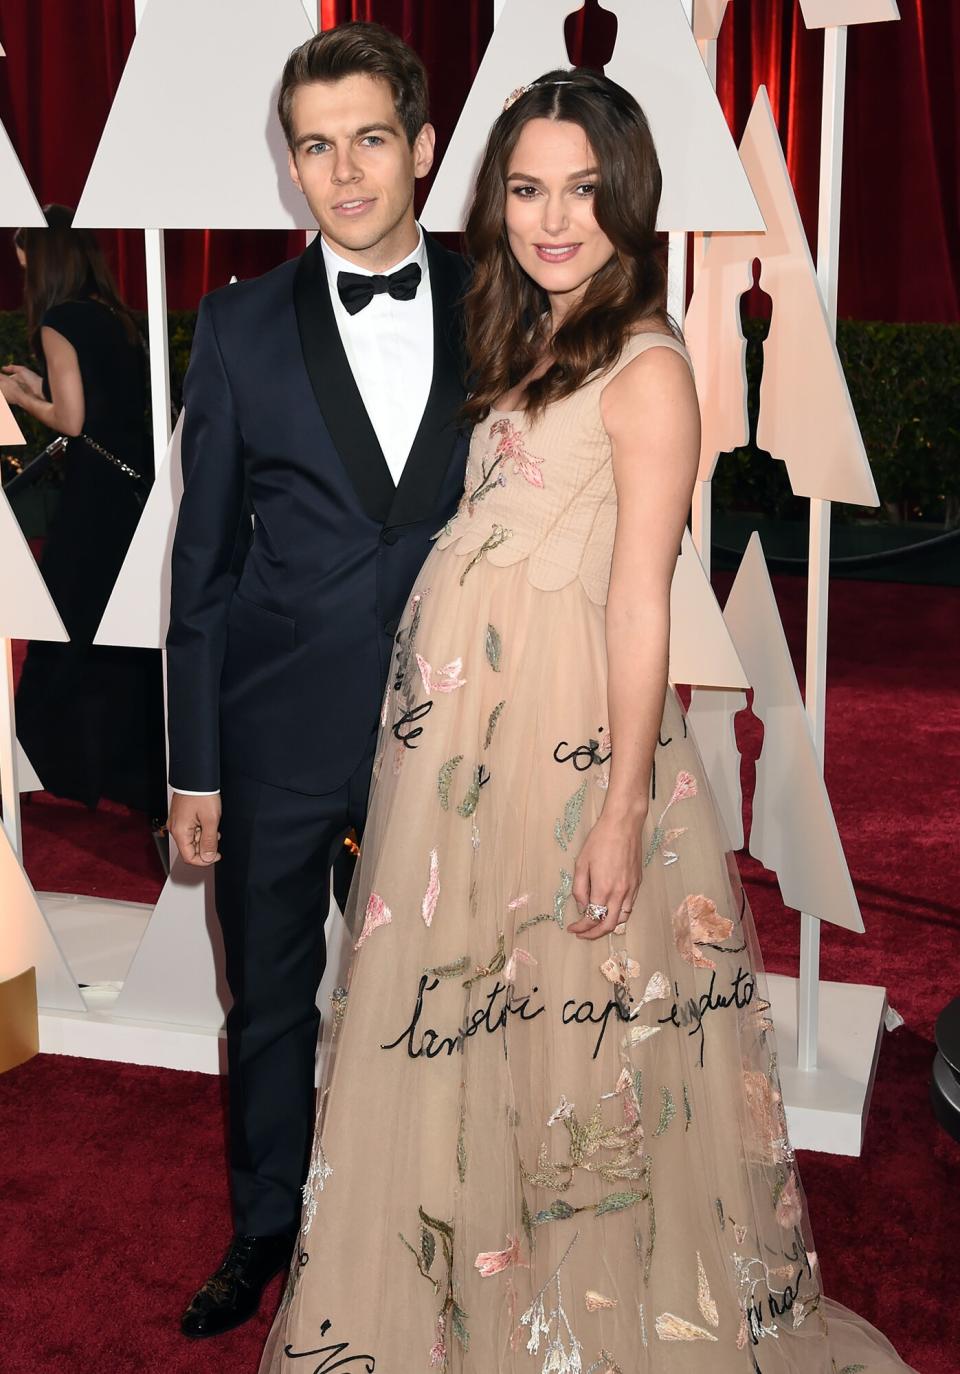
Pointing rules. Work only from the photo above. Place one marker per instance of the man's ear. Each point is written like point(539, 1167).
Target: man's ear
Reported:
point(423, 146)
point(292, 165)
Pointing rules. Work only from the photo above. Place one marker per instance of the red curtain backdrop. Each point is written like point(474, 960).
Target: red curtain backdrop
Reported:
point(900, 235)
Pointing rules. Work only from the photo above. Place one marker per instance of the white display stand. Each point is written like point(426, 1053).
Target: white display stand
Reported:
point(793, 833)
point(827, 1109)
point(819, 1043)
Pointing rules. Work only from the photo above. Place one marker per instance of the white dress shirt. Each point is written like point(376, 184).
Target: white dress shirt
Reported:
point(389, 346)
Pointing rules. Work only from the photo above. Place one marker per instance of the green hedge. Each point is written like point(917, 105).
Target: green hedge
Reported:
point(904, 382)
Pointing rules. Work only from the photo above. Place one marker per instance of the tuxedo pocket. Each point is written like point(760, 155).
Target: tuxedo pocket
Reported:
point(269, 628)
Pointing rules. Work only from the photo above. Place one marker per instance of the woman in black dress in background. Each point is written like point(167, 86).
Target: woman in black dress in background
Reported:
point(90, 718)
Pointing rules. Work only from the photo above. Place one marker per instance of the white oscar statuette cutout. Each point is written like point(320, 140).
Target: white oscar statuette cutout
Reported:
point(199, 91)
point(806, 416)
point(656, 57)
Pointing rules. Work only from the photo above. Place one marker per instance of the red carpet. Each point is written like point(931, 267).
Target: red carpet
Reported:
point(116, 1204)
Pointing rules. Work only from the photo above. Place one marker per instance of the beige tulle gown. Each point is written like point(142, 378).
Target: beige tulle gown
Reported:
point(537, 1154)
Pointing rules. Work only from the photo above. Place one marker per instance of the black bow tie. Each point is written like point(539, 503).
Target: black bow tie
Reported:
point(357, 289)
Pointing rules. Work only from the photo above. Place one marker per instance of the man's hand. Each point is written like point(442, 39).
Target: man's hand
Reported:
point(194, 824)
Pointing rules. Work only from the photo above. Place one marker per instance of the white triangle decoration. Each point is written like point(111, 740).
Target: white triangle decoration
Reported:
point(806, 416)
point(26, 938)
point(177, 972)
point(830, 14)
point(26, 607)
point(192, 140)
point(138, 612)
point(701, 649)
point(656, 57)
point(27, 779)
point(793, 829)
point(20, 207)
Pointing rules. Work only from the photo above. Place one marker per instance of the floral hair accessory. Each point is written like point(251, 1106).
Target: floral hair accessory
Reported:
point(515, 94)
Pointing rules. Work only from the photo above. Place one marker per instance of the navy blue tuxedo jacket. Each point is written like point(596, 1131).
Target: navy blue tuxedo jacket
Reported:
point(282, 625)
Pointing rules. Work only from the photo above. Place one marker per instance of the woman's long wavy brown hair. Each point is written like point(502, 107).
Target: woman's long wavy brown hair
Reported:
point(505, 308)
point(65, 264)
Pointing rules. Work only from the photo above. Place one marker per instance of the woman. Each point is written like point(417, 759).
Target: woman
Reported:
point(90, 719)
point(553, 1139)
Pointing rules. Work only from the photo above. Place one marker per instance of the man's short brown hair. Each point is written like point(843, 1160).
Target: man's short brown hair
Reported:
point(358, 48)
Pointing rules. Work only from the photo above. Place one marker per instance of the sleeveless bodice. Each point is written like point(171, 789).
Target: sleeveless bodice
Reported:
point(542, 489)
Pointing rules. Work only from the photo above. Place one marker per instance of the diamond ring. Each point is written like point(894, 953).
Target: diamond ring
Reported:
point(595, 912)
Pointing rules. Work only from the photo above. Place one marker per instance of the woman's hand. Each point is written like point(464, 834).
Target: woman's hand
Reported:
point(608, 873)
point(19, 382)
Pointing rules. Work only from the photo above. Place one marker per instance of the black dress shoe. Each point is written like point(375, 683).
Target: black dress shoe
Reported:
point(232, 1295)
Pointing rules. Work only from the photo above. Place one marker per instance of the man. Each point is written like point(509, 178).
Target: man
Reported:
point(320, 452)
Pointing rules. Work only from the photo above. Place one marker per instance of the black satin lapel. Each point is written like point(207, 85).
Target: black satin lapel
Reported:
point(418, 491)
point(335, 388)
